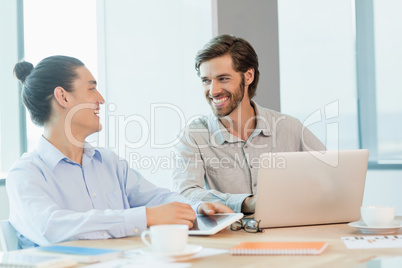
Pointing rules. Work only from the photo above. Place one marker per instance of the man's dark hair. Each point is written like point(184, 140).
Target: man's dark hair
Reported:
point(242, 53)
point(39, 83)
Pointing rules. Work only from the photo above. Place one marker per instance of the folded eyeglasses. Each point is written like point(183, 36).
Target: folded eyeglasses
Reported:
point(250, 226)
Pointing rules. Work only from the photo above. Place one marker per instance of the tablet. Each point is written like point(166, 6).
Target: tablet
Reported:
point(211, 224)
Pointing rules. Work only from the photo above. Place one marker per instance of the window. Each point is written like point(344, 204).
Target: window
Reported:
point(388, 70)
point(64, 27)
point(318, 69)
point(12, 136)
point(340, 73)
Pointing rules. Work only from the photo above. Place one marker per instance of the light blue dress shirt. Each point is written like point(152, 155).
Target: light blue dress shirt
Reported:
point(53, 199)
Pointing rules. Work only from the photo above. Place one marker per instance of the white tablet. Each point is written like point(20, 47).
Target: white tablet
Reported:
point(211, 224)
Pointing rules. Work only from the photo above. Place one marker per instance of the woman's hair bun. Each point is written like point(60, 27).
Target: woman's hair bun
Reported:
point(22, 70)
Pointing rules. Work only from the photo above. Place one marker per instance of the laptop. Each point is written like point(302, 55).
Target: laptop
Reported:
point(307, 188)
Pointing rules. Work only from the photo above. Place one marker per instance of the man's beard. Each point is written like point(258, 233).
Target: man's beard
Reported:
point(234, 100)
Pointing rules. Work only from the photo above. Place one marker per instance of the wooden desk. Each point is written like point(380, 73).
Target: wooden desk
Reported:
point(336, 255)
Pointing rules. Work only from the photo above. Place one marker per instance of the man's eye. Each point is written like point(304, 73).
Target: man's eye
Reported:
point(205, 81)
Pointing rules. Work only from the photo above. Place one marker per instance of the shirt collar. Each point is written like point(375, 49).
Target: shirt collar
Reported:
point(219, 133)
point(51, 156)
point(263, 124)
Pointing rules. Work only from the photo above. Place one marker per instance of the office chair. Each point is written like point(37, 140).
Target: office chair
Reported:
point(8, 236)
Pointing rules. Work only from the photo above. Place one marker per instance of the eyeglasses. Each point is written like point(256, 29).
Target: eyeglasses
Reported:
point(251, 226)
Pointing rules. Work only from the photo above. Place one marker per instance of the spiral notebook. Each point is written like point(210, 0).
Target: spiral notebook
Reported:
point(279, 248)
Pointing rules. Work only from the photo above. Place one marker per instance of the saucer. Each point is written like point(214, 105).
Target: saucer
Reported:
point(189, 251)
point(395, 226)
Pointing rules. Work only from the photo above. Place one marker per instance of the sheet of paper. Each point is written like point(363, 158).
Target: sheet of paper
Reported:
point(362, 242)
point(133, 258)
point(140, 262)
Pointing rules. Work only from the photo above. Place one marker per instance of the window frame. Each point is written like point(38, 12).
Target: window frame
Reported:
point(366, 83)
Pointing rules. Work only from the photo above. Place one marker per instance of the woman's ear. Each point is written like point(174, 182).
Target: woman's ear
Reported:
point(249, 77)
point(60, 95)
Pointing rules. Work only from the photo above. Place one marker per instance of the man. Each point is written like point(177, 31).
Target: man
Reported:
point(67, 190)
point(219, 154)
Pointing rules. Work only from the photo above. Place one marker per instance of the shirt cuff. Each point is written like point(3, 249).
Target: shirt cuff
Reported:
point(195, 206)
point(235, 201)
point(135, 220)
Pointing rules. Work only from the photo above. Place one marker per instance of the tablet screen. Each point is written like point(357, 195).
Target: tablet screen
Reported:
point(207, 222)
point(210, 224)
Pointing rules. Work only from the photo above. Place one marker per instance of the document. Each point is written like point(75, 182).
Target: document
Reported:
point(30, 260)
point(362, 242)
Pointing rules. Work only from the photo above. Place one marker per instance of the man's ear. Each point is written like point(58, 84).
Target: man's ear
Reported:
point(60, 95)
point(249, 77)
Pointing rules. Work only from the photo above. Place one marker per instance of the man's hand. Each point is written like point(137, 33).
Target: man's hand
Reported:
point(248, 205)
point(171, 213)
point(212, 208)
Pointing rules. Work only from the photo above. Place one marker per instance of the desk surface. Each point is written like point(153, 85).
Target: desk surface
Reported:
point(336, 255)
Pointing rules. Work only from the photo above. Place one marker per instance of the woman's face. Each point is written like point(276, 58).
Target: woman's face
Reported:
point(85, 100)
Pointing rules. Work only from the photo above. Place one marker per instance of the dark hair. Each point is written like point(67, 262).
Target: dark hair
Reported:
point(243, 56)
point(39, 83)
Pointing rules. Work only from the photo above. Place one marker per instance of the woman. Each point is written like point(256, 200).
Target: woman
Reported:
point(67, 190)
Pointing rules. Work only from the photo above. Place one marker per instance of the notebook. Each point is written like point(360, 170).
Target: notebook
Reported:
point(279, 248)
point(307, 188)
point(83, 254)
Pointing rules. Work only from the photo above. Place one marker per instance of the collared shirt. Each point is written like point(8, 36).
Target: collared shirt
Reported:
point(54, 199)
point(216, 166)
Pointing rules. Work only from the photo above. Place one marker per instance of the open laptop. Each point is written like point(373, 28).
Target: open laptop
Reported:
point(307, 188)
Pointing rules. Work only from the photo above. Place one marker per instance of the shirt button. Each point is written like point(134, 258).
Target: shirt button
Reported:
point(136, 230)
point(255, 184)
point(246, 146)
point(251, 166)
point(94, 194)
point(104, 234)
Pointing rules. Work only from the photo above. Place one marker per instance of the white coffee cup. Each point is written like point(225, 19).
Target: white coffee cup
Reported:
point(171, 238)
point(377, 216)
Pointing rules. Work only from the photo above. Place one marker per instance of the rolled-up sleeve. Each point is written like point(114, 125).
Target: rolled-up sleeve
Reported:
point(189, 177)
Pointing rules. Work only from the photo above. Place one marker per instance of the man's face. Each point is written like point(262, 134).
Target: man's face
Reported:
point(85, 103)
point(223, 86)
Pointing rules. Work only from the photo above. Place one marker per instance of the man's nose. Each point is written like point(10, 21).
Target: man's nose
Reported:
point(101, 100)
point(214, 89)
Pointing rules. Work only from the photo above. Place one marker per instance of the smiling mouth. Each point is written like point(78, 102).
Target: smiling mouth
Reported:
point(219, 101)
